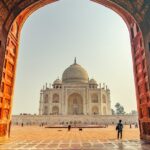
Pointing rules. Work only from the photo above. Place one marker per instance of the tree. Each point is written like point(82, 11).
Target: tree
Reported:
point(134, 112)
point(119, 109)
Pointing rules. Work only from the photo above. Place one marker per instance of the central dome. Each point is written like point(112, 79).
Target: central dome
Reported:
point(75, 73)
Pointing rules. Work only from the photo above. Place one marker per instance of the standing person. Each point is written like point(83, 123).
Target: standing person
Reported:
point(69, 127)
point(119, 127)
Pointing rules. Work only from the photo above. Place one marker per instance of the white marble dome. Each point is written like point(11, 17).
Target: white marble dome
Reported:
point(75, 73)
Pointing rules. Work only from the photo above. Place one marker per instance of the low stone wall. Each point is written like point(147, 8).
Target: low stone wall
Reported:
point(72, 119)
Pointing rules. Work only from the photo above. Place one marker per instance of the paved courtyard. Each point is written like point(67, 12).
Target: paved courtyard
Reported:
point(40, 138)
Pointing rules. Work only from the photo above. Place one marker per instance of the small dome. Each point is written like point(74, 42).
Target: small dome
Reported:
point(92, 81)
point(57, 81)
point(75, 73)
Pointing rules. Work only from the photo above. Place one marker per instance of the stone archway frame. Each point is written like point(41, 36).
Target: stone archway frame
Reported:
point(55, 98)
point(55, 110)
point(95, 110)
point(79, 103)
point(136, 15)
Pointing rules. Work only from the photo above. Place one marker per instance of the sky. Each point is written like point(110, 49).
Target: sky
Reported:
point(57, 33)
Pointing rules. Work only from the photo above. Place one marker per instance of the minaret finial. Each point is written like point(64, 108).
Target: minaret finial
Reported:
point(75, 60)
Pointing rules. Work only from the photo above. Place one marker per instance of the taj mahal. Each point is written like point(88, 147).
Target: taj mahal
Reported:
point(75, 94)
point(75, 99)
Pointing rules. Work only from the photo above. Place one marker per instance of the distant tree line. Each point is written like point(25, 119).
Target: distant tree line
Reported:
point(119, 110)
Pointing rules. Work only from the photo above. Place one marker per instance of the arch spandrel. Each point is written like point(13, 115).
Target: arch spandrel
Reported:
point(9, 10)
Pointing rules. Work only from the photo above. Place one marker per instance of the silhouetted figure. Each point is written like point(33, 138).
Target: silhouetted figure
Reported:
point(130, 126)
point(69, 127)
point(80, 129)
point(119, 128)
point(22, 124)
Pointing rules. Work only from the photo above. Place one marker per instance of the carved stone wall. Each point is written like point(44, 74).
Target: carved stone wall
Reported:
point(83, 119)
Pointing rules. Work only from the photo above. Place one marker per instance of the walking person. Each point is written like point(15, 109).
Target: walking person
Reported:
point(119, 128)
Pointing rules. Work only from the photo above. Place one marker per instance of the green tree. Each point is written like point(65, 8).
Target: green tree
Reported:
point(119, 109)
point(134, 112)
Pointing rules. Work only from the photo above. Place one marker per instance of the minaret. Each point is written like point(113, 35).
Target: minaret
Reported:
point(109, 101)
point(41, 102)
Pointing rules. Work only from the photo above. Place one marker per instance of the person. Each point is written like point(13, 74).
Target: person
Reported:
point(80, 129)
point(119, 128)
point(69, 127)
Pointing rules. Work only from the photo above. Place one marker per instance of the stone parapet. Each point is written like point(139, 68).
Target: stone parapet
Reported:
point(73, 119)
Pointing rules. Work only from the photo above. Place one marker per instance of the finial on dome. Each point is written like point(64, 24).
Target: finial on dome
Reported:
point(75, 60)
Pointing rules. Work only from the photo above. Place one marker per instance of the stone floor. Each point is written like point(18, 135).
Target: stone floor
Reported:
point(39, 138)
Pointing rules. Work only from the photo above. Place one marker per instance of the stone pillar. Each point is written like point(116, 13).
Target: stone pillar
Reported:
point(88, 101)
point(8, 63)
point(50, 102)
point(99, 101)
point(84, 104)
point(65, 102)
point(3, 122)
point(41, 103)
point(109, 102)
point(140, 65)
point(84, 97)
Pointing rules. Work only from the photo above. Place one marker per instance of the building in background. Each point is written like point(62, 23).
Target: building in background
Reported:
point(75, 94)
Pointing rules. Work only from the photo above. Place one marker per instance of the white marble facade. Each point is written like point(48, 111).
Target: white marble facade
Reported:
point(75, 94)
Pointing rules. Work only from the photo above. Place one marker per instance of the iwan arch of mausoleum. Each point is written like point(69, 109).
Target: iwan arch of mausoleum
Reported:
point(136, 14)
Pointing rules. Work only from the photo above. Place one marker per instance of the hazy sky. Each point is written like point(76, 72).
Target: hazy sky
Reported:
point(55, 34)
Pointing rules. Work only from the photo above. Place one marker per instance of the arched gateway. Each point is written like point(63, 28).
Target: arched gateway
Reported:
point(136, 14)
point(75, 104)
